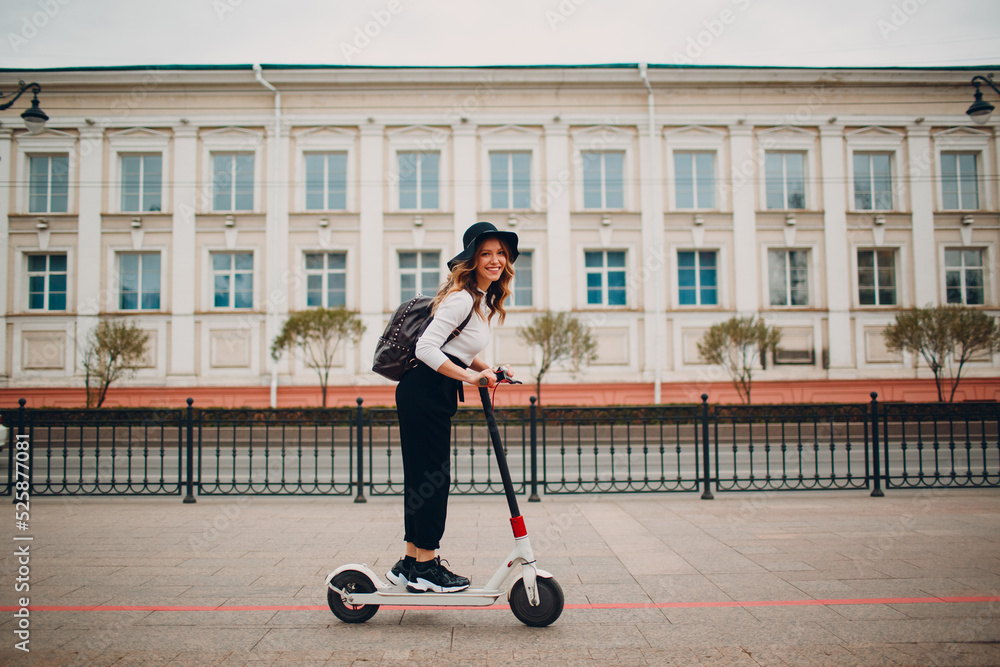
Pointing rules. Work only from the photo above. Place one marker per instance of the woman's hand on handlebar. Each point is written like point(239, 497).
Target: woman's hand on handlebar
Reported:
point(505, 375)
point(484, 378)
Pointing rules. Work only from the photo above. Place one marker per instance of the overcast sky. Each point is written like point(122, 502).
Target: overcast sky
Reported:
point(874, 33)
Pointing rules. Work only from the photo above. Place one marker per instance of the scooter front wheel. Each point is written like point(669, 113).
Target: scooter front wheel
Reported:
point(550, 602)
point(351, 581)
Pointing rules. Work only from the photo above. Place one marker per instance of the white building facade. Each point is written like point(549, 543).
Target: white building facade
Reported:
point(206, 203)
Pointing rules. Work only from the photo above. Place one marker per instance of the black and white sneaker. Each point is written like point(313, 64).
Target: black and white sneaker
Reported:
point(399, 574)
point(433, 576)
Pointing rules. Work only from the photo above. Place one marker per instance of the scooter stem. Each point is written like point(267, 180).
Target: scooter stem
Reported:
point(508, 486)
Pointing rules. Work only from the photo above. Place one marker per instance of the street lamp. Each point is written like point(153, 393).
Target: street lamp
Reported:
point(34, 118)
point(980, 110)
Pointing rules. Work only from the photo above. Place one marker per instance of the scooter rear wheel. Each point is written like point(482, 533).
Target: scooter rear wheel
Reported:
point(351, 581)
point(550, 602)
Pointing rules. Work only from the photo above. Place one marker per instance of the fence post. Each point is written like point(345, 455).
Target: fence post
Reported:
point(876, 464)
point(361, 453)
point(534, 451)
point(189, 498)
point(706, 493)
point(22, 419)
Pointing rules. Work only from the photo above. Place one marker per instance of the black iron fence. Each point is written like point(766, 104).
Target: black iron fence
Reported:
point(791, 447)
point(355, 451)
point(95, 452)
point(274, 452)
point(937, 445)
point(620, 449)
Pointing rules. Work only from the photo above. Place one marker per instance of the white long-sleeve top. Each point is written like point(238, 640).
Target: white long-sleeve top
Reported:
point(431, 347)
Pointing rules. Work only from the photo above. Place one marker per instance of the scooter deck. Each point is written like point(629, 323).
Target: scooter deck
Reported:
point(398, 595)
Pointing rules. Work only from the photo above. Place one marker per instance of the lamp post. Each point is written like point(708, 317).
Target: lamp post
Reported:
point(34, 118)
point(980, 109)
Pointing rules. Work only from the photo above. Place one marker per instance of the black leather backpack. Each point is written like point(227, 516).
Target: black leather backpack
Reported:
point(394, 353)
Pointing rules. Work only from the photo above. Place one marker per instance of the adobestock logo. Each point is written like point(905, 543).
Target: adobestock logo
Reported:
point(223, 7)
point(899, 16)
point(562, 13)
point(363, 36)
point(48, 9)
point(713, 29)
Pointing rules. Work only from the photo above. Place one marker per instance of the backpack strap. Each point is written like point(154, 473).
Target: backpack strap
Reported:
point(459, 328)
point(451, 336)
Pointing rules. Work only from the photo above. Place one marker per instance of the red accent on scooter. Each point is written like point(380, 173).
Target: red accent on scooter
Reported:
point(517, 523)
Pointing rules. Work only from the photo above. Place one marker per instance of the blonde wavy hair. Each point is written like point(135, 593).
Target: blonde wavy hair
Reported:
point(463, 277)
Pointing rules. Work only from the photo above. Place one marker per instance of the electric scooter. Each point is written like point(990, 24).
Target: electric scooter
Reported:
point(354, 592)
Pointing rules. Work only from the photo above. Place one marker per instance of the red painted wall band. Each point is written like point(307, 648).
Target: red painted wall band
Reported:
point(592, 393)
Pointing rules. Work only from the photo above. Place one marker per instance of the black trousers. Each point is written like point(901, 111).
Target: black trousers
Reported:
point(425, 403)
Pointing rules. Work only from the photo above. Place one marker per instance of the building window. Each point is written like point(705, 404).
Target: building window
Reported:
point(877, 277)
point(139, 281)
point(785, 176)
point(48, 183)
point(605, 277)
point(603, 179)
point(419, 273)
point(872, 182)
point(698, 278)
point(959, 182)
point(788, 277)
point(521, 295)
point(963, 275)
point(232, 179)
point(694, 180)
point(232, 279)
point(418, 180)
point(510, 180)
point(326, 279)
point(142, 183)
point(47, 282)
point(326, 181)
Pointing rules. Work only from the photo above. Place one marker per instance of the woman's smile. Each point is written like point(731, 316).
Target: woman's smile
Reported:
point(490, 262)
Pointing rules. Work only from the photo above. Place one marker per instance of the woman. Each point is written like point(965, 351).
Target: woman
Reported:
point(427, 398)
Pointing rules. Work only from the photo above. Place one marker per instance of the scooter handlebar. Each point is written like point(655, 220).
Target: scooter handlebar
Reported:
point(502, 376)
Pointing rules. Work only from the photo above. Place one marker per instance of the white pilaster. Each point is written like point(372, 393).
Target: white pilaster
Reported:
point(464, 188)
point(182, 255)
point(276, 297)
point(88, 280)
point(559, 193)
point(6, 161)
point(653, 265)
point(372, 255)
point(921, 158)
point(838, 290)
point(745, 170)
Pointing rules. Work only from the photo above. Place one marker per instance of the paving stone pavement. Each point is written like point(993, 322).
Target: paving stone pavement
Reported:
point(824, 578)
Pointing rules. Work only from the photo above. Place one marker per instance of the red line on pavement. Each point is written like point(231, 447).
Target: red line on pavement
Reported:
point(784, 603)
point(611, 605)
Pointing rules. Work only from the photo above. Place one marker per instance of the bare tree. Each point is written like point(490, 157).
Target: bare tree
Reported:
point(114, 352)
point(947, 337)
point(560, 337)
point(738, 345)
point(317, 333)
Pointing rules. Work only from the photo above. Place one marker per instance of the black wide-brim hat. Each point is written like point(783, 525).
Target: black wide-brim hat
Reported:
point(477, 233)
